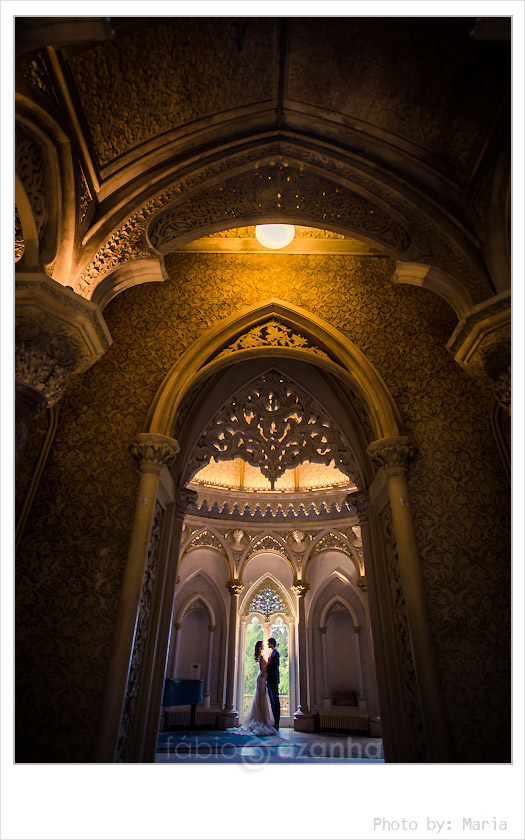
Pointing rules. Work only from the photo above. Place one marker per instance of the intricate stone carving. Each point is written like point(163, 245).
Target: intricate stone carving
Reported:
point(126, 727)
point(235, 587)
point(280, 189)
point(271, 334)
point(36, 73)
point(154, 451)
point(29, 166)
point(206, 540)
point(331, 542)
point(502, 388)
point(392, 453)
point(267, 543)
point(85, 196)
point(125, 104)
point(19, 238)
point(274, 425)
point(300, 588)
point(44, 361)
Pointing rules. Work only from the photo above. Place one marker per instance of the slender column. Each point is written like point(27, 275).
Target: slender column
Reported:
point(361, 699)
point(393, 454)
point(157, 645)
point(211, 628)
point(153, 452)
point(327, 700)
point(229, 715)
point(303, 718)
point(172, 665)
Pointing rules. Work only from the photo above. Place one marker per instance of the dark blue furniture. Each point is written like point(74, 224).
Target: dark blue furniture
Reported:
point(184, 693)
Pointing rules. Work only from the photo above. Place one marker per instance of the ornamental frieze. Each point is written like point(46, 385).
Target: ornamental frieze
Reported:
point(272, 334)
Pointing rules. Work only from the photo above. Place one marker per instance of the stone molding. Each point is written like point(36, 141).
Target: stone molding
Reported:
point(483, 328)
point(392, 453)
point(154, 451)
point(44, 307)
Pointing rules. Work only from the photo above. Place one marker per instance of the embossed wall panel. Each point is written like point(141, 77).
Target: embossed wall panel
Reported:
point(72, 557)
point(361, 68)
point(169, 74)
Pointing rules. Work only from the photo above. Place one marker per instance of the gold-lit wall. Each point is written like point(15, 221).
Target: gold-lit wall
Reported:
point(77, 534)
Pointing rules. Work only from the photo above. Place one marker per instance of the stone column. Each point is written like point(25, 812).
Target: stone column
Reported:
point(229, 715)
point(157, 645)
point(327, 698)
point(393, 455)
point(57, 334)
point(172, 664)
point(303, 718)
point(361, 700)
point(153, 453)
point(211, 628)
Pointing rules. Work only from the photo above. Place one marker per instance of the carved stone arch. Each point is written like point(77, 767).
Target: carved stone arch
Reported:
point(180, 601)
point(197, 603)
point(339, 575)
point(345, 361)
point(327, 540)
point(266, 544)
point(209, 538)
point(270, 580)
point(339, 604)
point(62, 186)
point(453, 291)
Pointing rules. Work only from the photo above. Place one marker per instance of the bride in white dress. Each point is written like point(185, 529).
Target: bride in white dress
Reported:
point(259, 720)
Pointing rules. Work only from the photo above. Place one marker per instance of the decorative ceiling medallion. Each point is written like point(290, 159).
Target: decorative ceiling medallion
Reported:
point(272, 334)
point(273, 425)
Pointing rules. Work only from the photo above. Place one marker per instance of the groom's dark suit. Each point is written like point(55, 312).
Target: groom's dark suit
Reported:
point(272, 683)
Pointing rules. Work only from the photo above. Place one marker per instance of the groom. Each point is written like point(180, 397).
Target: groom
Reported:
point(272, 681)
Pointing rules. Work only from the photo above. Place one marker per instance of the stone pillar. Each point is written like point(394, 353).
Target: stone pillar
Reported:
point(229, 715)
point(361, 701)
point(327, 698)
point(57, 334)
point(393, 455)
point(153, 453)
point(211, 628)
point(172, 664)
point(157, 645)
point(303, 718)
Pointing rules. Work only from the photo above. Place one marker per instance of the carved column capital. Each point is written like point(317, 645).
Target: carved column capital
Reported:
point(57, 333)
point(211, 627)
point(392, 453)
point(300, 588)
point(235, 587)
point(322, 630)
point(154, 451)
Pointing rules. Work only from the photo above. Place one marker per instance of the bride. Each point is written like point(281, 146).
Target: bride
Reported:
point(259, 720)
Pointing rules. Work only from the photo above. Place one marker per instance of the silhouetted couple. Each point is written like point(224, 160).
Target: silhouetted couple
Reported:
point(266, 697)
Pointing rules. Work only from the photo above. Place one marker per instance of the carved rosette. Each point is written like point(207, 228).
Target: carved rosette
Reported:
point(154, 451)
point(235, 587)
point(393, 454)
point(300, 588)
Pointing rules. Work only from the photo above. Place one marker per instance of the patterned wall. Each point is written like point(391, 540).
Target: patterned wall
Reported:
point(71, 560)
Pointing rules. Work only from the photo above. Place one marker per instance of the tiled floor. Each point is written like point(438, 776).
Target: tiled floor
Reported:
point(302, 748)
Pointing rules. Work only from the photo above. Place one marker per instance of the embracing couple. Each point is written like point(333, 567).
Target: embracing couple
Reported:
point(266, 698)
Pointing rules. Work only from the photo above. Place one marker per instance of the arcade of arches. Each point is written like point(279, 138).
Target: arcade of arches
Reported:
point(217, 442)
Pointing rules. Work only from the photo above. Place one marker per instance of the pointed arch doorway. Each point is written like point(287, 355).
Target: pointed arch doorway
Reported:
point(309, 349)
point(265, 613)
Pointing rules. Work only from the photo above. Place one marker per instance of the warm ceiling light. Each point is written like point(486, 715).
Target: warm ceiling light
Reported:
point(274, 236)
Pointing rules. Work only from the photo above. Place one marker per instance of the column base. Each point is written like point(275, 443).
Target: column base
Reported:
point(303, 721)
point(227, 719)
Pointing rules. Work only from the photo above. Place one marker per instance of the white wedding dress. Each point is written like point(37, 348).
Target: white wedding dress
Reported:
point(259, 720)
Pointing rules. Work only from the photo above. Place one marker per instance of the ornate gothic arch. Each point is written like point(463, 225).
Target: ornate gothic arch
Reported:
point(343, 360)
point(266, 544)
point(328, 540)
point(267, 579)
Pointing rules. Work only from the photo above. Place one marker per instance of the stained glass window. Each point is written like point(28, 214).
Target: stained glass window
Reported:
point(267, 602)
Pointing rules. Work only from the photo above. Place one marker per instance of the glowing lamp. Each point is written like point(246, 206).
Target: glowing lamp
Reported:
point(274, 236)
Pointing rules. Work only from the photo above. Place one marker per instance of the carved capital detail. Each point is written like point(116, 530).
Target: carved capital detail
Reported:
point(361, 505)
point(183, 497)
point(300, 588)
point(235, 587)
point(44, 361)
point(154, 451)
point(392, 453)
point(481, 341)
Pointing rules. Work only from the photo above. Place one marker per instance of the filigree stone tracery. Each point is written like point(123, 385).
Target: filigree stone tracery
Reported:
point(274, 425)
point(272, 334)
point(267, 601)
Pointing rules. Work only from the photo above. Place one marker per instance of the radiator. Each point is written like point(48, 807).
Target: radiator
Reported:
point(181, 717)
point(343, 720)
